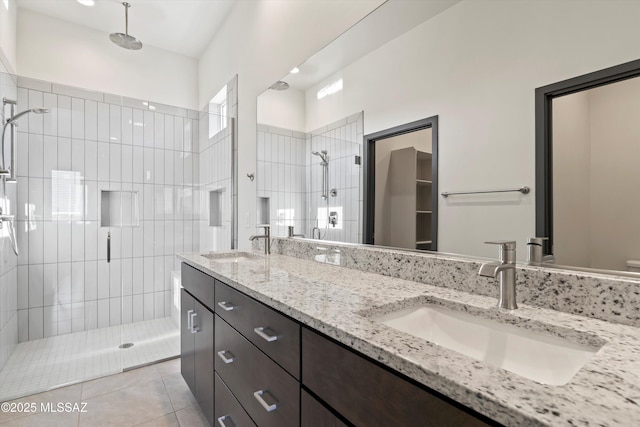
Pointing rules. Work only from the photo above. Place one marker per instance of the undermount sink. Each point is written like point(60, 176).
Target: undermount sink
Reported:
point(231, 257)
point(539, 357)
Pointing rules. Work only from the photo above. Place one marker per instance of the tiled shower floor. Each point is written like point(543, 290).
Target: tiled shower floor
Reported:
point(40, 365)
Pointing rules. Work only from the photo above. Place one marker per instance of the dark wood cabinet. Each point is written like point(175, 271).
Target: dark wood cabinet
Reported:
point(196, 338)
point(314, 414)
point(265, 390)
point(270, 371)
point(274, 334)
point(228, 411)
point(367, 394)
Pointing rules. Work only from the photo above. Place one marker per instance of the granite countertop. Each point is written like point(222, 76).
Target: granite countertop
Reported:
point(340, 302)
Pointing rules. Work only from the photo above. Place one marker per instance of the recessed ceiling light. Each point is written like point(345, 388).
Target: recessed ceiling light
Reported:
point(296, 70)
point(86, 2)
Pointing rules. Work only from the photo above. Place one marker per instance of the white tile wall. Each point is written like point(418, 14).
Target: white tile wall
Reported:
point(66, 283)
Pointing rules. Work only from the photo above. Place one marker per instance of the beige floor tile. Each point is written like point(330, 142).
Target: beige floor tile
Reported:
point(70, 394)
point(128, 406)
point(192, 417)
point(179, 393)
point(167, 421)
point(60, 419)
point(168, 368)
point(112, 383)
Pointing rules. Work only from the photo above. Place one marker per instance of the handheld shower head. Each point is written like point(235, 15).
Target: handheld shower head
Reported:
point(17, 116)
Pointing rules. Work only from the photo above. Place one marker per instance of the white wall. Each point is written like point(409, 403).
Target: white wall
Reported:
point(261, 42)
point(283, 109)
point(58, 51)
point(476, 66)
point(572, 180)
point(8, 19)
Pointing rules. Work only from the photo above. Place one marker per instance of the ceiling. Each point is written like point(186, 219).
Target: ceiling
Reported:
point(181, 26)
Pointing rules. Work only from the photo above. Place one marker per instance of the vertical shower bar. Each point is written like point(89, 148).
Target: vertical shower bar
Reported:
point(12, 175)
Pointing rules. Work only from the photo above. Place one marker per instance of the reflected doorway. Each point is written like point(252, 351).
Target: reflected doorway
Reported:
point(401, 186)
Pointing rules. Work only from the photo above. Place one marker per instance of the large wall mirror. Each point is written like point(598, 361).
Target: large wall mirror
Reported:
point(474, 64)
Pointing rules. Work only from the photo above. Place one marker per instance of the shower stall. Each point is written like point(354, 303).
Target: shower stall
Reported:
point(107, 191)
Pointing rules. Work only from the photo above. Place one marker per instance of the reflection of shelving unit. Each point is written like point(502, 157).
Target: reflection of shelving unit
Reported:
point(410, 177)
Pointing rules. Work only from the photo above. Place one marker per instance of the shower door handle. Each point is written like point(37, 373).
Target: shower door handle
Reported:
point(109, 247)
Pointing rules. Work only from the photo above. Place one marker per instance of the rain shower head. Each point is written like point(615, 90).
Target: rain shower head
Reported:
point(279, 85)
point(125, 40)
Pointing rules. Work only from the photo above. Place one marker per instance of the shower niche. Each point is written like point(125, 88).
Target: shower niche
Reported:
point(119, 209)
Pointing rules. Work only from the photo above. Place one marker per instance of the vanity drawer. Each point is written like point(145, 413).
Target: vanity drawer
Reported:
point(228, 410)
point(273, 333)
point(198, 284)
point(266, 391)
point(314, 414)
point(367, 394)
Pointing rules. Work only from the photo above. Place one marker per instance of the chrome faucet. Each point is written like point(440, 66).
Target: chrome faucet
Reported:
point(505, 271)
point(291, 232)
point(534, 255)
point(266, 236)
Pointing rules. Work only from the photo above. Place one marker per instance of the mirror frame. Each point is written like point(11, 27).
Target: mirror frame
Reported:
point(544, 137)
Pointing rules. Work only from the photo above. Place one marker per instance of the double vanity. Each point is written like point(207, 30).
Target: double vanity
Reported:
point(295, 338)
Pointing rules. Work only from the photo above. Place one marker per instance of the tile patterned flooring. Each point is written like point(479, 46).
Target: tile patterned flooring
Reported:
point(154, 395)
point(42, 364)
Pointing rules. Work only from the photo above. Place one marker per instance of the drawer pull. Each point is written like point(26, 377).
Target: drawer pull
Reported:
point(261, 330)
point(194, 328)
point(226, 306)
point(189, 320)
point(225, 359)
point(258, 395)
point(226, 421)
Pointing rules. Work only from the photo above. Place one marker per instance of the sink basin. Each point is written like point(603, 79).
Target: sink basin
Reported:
point(231, 257)
point(539, 357)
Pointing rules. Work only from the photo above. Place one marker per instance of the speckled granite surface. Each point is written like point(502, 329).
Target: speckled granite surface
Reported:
point(339, 302)
point(605, 297)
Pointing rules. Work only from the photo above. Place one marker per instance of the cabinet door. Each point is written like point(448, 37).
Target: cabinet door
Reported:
point(187, 356)
point(203, 359)
point(367, 394)
point(267, 392)
point(229, 412)
point(313, 414)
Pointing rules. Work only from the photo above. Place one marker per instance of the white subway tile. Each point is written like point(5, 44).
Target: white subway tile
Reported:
point(50, 254)
point(64, 318)
point(138, 308)
point(91, 314)
point(23, 286)
point(149, 164)
point(36, 122)
point(138, 164)
point(77, 241)
point(138, 276)
point(77, 156)
point(90, 280)
point(103, 122)
point(22, 146)
point(127, 276)
point(178, 139)
point(138, 241)
point(148, 275)
point(36, 199)
point(159, 304)
point(64, 154)
point(64, 116)
point(179, 168)
point(77, 317)
point(103, 313)
point(102, 242)
point(115, 123)
point(50, 119)
point(77, 282)
point(127, 309)
point(64, 282)
point(126, 250)
point(103, 279)
point(50, 154)
point(138, 127)
point(115, 284)
point(64, 241)
point(148, 129)
point(149, 304)
point(127, 163)
point(77, 118)
point(91, 120)
point(36, 324)
point(36, 155)
point(36, 242)
point(169, 136)
point(159, 176)
point(23, 325)
point(127, 125)
point(103, 161)
point(159, 274)
point(36, 285)
point(158, 134)
point(115, 174)
point(50, 321)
